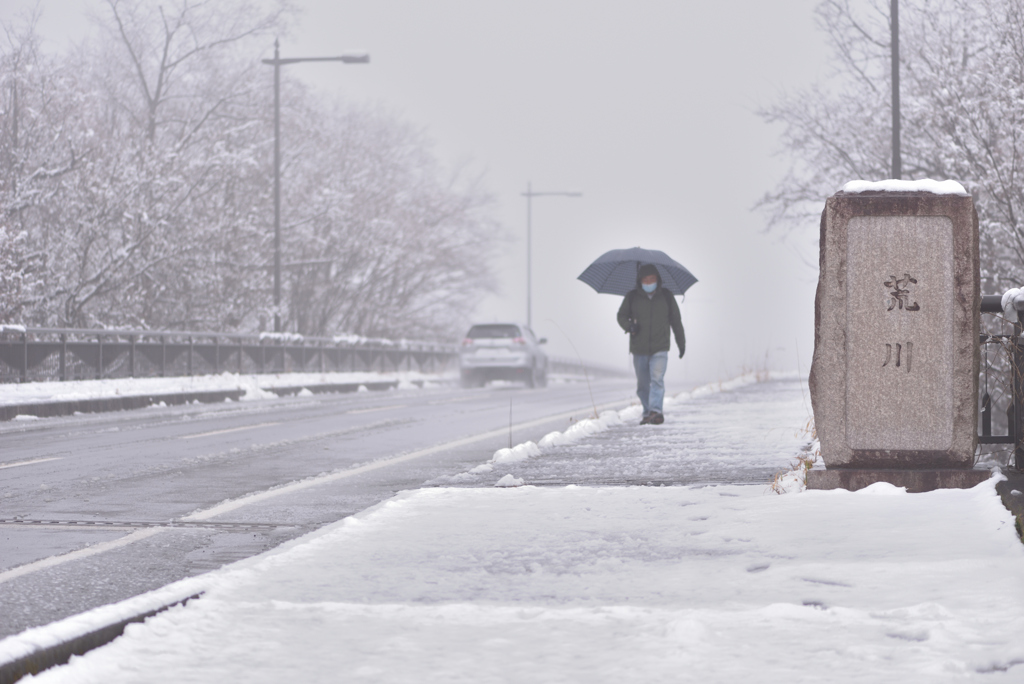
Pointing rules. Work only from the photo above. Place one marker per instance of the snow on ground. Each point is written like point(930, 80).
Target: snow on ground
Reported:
point(628, 584)
point(256, 386)
point(696, 583)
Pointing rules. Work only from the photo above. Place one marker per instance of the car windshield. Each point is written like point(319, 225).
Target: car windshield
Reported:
point(493, 332)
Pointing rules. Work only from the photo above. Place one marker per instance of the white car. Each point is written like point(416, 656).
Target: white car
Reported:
point(502, 351)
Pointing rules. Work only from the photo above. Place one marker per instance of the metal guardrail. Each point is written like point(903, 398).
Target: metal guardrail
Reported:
point(41, 354)
point(567, 366)
point(47, 354)
point(1014, 346)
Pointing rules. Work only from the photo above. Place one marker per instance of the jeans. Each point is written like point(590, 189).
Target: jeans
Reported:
point(650, 380)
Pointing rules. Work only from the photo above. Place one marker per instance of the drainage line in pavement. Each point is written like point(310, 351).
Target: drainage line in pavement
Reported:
point(60, 654)
point(119, 524)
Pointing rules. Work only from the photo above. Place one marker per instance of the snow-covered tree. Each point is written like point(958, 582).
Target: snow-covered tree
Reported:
point(137, 182)
point(382, 246)
point(962, 82)
point(40, 149)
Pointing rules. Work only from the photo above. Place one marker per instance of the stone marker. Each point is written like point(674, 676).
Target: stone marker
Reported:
point(894, 381)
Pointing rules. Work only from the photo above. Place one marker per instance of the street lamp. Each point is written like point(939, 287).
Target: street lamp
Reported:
point(277, 62)
point(894, 26)
point(529, 195)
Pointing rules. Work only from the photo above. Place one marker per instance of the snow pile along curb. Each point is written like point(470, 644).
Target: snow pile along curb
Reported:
point(588, 427)
point(50, 399)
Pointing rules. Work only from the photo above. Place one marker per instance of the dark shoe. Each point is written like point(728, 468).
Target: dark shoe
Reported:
point(655, 418)
point(646, 419)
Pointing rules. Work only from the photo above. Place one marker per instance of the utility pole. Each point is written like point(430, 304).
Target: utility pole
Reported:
point(277, 186)
point(529, 195)
point(277, 62)
point(894, 24)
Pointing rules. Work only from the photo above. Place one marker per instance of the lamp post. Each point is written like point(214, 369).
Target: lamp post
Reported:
point(894, 27)
point(277, 62)
point(529, 195)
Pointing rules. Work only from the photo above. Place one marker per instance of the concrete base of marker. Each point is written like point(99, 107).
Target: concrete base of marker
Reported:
point(915, 481)
point(1014, 502)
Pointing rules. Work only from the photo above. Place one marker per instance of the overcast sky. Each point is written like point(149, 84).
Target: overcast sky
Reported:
point(647, 107)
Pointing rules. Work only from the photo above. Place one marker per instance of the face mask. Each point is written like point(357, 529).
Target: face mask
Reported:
point(649, 288)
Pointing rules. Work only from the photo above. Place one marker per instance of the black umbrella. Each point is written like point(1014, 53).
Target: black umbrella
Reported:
point(615, 272)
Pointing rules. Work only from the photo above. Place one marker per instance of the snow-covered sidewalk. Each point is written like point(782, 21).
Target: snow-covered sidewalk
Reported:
point(698, 583)
point(741, 431)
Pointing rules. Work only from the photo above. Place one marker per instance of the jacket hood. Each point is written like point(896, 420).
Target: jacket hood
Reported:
point(646, 270)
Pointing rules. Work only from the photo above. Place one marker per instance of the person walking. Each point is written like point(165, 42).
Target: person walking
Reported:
point(648, 313)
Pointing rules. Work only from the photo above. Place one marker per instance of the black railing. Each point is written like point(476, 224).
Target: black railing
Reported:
point(47, 354)
point(40, 354)
point(574, 367)
point(1014, 347)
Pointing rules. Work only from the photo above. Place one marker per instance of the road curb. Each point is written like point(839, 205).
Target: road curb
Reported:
point(60, 654)
point(52, 409)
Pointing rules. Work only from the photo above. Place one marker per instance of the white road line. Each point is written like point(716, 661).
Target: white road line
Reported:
point(379, 408)
point(52, 561)
point(224, 432)
point(24, 463)
point(453, 401)
point(257, 497)
point(235, 504)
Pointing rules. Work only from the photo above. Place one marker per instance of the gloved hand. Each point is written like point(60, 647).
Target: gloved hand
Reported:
point(681, 352)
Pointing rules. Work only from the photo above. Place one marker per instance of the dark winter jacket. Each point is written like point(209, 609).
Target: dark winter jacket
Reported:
point(656, 315)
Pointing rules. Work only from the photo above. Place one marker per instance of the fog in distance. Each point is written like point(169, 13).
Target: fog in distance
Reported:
point(646, 108)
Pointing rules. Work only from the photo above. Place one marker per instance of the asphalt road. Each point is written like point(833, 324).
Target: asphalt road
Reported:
point(98, 508)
